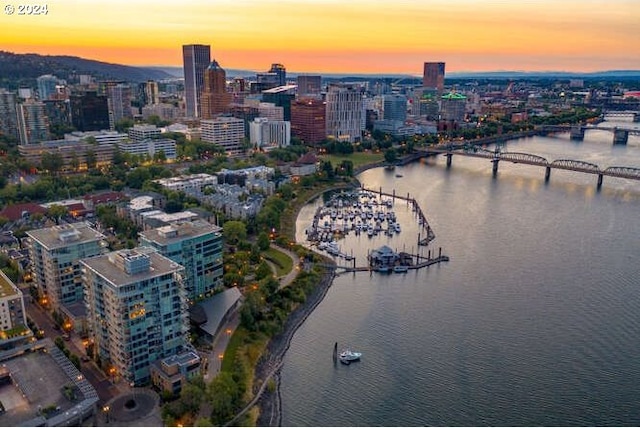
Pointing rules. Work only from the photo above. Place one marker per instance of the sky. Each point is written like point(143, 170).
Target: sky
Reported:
point(338, 36)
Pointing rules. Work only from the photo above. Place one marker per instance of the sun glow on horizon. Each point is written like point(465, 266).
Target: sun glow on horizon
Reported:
point(336, 36)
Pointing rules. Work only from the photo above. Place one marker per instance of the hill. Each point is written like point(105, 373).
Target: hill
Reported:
point(22, 69)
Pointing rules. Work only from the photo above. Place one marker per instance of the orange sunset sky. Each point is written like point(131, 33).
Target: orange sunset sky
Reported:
point(336, 36)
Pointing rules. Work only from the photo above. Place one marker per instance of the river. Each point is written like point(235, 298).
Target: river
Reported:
point(535, 320)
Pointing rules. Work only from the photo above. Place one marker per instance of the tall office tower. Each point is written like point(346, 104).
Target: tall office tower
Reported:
point(33, 124)
point(227, 132)
point(47, 86)
point(8, 115)
point(119, 102)
point(196, 245)
point(151, 92)
point(281, 96)
point(308, 120)
point(433, 76)
point(12, 313)
point(281, 72)
point(309, 86)
point(214, 99)
point(345, 113)
point(89, 111)
point(196, 58)
point(55, 253)
point(136, 309)
point(395, 107)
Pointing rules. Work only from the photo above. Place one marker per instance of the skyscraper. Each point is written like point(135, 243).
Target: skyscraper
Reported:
point(89, 111)
point(8, 117)
point(196, 58)
point(309, 85)
point(308, 120)
point(47, 86)
point(33, 124)
point(214, 99)
point(433, 76)
point(345, 113)
point(281, 72)
point(119, 102)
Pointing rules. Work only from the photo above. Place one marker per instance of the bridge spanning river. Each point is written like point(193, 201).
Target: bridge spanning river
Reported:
point(497, 155)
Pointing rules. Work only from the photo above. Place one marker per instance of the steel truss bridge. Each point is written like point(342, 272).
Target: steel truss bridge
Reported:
point(497, 155)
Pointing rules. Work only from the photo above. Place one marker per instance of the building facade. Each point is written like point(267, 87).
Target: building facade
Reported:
point(150, 148)
point(395, 107)
point(268, 134)
point(196, 245)
point(47, 86)
point(13, 316)
point(8, 114)
point(308, 120)
point(227, 132)
point(89, 111)
point(33, 124)
point(453, 107)
point(433, 75)
point(55, 253)
point(309, 86)
point(214, 99)
point(345, 113)
point(195, 59)
point(119, 97)
point(136, 310)
point(143, 132)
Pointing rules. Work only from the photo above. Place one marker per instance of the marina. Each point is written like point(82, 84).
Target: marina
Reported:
point(365, 212)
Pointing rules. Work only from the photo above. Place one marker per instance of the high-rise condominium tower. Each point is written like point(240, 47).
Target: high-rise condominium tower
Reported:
point(433, 76)
point(196, 58)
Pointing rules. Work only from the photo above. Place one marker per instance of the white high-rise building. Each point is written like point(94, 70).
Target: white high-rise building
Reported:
point(269, 134)
point(345, 115)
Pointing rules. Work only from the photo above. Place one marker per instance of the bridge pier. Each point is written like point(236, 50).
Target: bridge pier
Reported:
point(577, 133)
point(600, 176)
point(495, 162)
point(620, 136)
point(449, 157)
point(547, 174)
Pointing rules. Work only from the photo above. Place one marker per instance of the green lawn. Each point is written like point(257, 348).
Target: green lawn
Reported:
point(283, 262)
point(358, 158)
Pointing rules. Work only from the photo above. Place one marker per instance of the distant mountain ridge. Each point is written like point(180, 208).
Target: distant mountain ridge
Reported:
point(23, 69)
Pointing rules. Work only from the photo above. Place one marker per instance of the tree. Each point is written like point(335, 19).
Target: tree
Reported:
point(51, 162)
point(123, 124)
point(91, 159)
point(234, 231)
point(74, 162)
point(56, 211)
point(390, 156)
point(263, 241)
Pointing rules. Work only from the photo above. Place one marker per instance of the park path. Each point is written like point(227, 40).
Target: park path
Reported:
point(288, 278)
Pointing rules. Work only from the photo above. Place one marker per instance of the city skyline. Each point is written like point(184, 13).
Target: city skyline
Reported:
point(328, 36)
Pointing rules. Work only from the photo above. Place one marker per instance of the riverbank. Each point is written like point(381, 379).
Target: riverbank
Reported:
point(269, 366)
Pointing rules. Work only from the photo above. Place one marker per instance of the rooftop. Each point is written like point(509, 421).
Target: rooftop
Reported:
point(65, 235)
point(7, 287)
point(179, 231)
point(104, 266)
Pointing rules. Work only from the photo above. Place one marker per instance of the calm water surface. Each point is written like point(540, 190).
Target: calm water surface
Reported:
point(534, 320)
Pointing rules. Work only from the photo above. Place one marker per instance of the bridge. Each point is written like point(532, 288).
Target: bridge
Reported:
point(529, 159)
point(576, 131)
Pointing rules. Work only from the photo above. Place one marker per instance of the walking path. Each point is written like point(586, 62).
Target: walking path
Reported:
point(288, 278)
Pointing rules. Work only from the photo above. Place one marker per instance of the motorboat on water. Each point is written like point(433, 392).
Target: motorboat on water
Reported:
point(400, 268)
point(348, 356)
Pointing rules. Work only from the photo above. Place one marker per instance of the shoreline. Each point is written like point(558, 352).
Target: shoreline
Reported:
point(270, 364)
